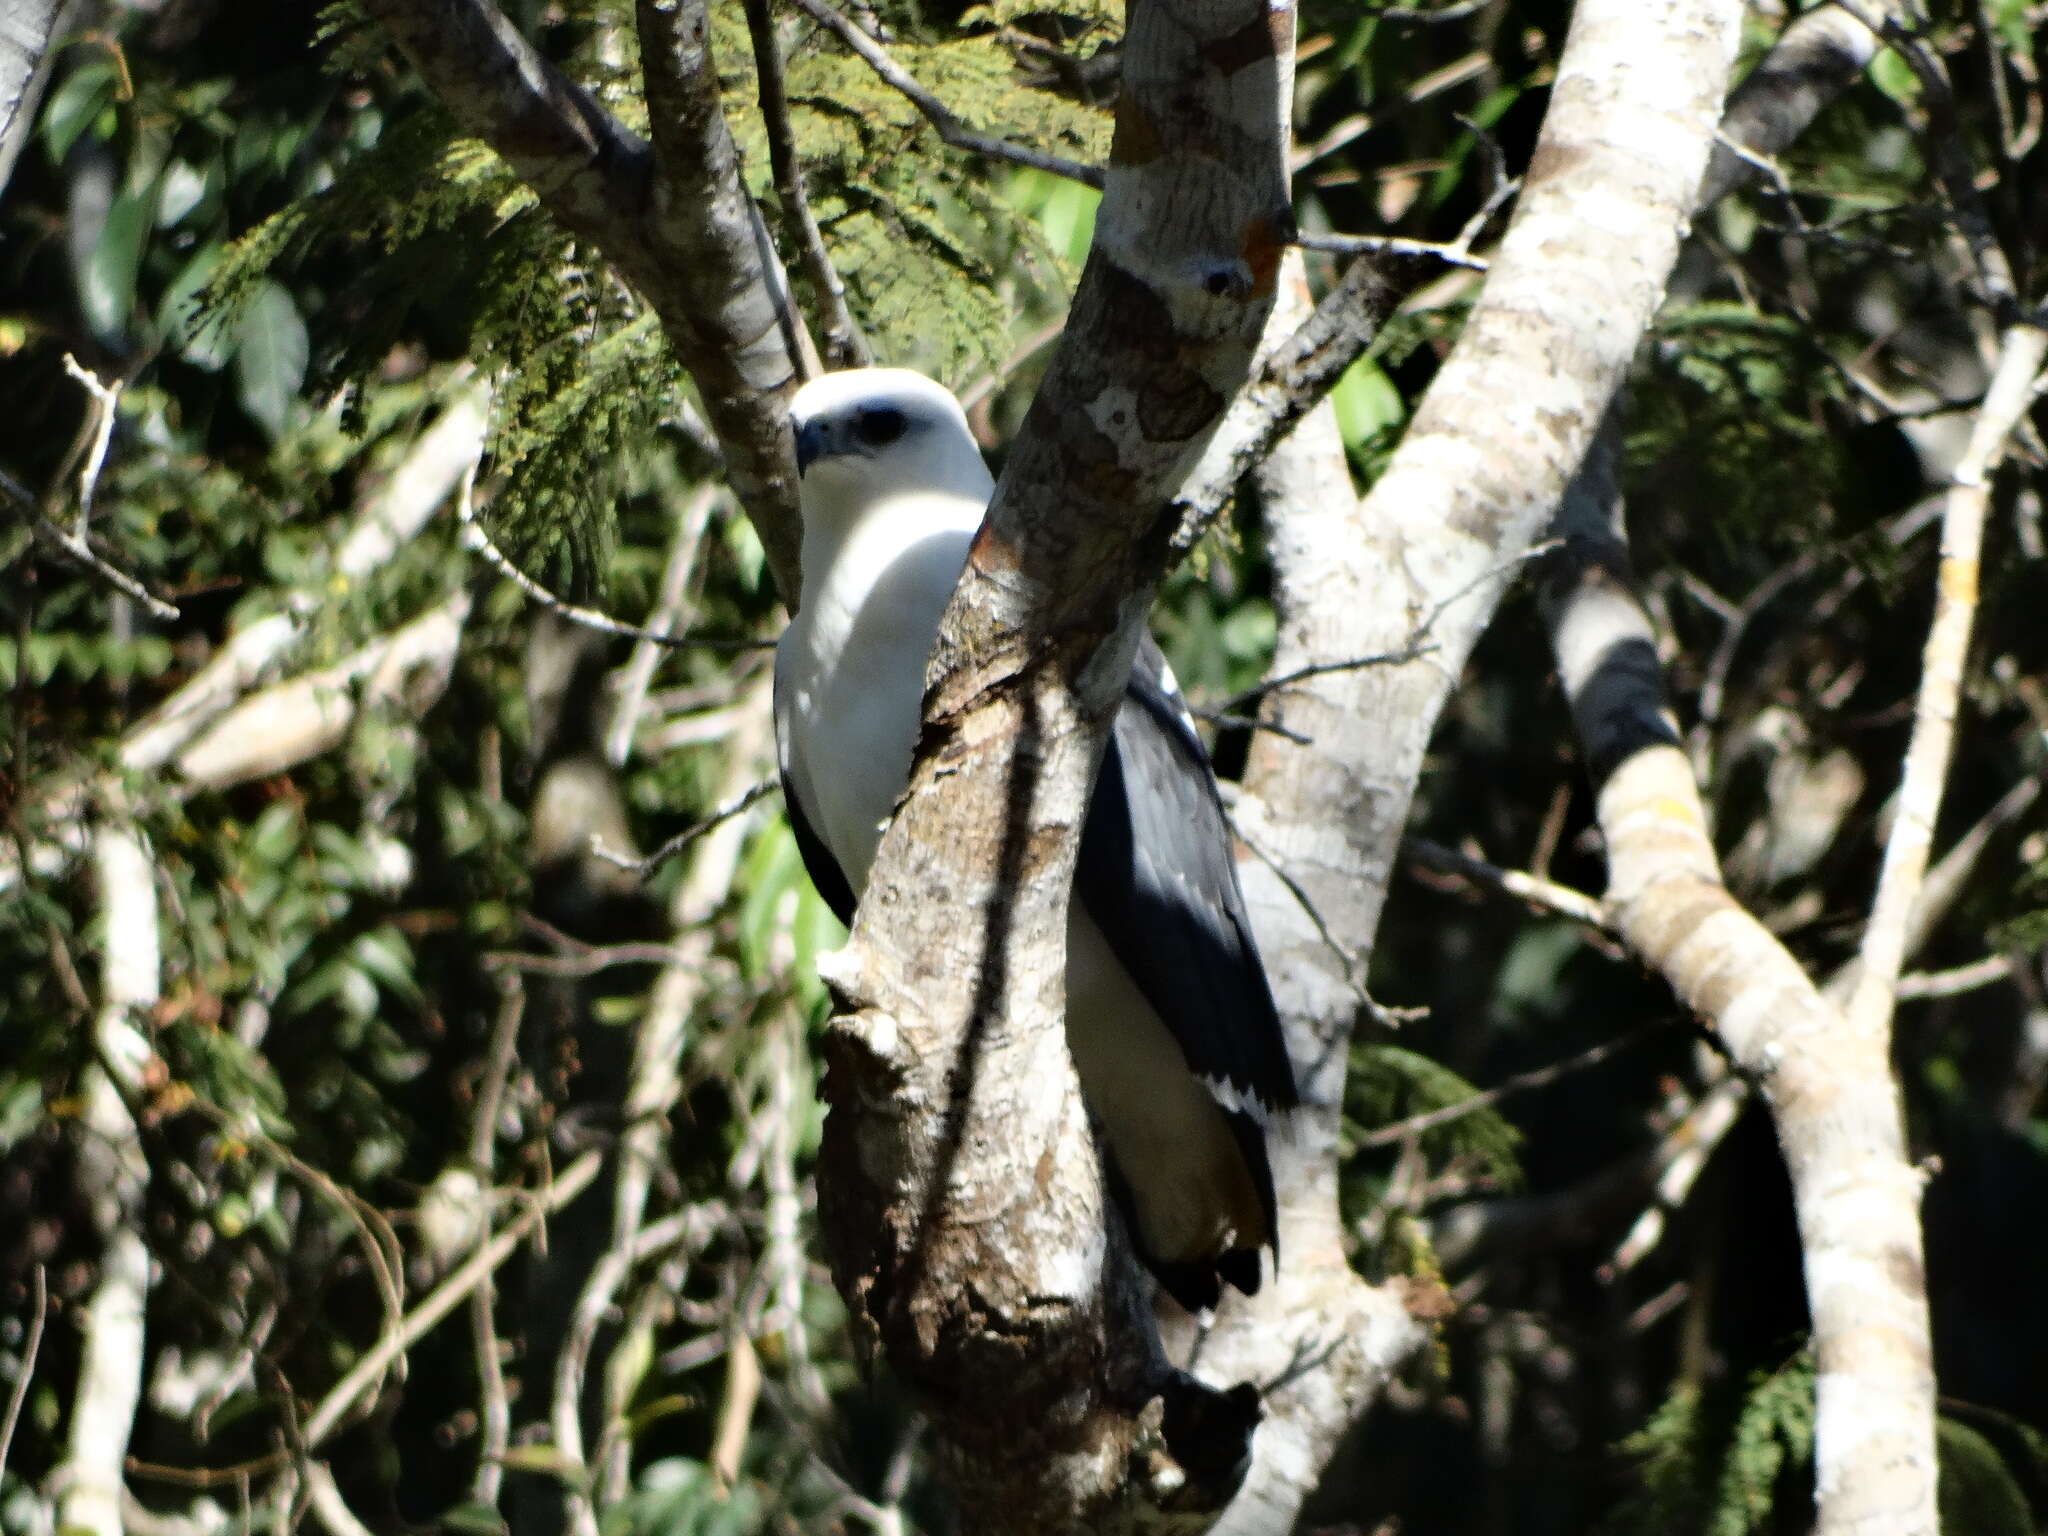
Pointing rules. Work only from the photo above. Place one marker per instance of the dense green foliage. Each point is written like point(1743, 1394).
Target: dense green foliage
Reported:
point(258, 222)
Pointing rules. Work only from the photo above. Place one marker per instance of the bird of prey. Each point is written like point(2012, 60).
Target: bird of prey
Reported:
point(1169, 1018)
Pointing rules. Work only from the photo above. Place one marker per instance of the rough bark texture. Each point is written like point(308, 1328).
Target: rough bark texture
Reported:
point(959, 1187)
point(672, 217)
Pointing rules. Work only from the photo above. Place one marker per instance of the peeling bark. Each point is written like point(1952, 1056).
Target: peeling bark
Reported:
point(959, 1186)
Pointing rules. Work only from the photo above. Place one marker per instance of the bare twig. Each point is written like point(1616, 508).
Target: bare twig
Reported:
point(442, 1300)
point(583, 959)
point(1948, 153)
point(1683, 1154)
point(635, 677)
point(498, 1058)
point(1456, 252)
point(948, 127)
point(74, 546)
point(736, 1408)
point(1539, 892)
point(323, 1497)
point(844, 347)
point(18, 1393)
point(688, 835)
point(1450, 252)
point(495, 1415)
point(1522, 1082)
point(1927, 755)
point(106, 400)
point(1957, 980)
point(474, 536)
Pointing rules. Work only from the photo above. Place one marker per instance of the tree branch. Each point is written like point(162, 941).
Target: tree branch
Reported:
point(443, 1299)
point(1813, 61)
point(114, 1179)
point(1883, 950)
point(1464, 497)
point(844, 346)
point(673, 218)
point(936, 112)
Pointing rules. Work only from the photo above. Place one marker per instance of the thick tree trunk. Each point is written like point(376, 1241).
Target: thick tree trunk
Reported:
point(959, 1187)
point(29, 33)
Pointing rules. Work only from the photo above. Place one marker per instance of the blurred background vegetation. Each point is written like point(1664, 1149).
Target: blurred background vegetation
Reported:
point(398, 989)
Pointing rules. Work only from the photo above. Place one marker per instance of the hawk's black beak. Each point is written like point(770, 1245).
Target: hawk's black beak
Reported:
point(812, 444)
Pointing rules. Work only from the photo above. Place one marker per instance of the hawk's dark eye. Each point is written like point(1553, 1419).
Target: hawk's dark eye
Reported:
point(880, 427)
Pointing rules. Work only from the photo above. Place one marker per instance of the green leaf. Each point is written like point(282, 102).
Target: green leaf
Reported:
point(201, 339)
point(106, 277)
point(1894, 76)
point(1979, 1493)
point(270, 356)
point(482, 1519)
point(1773, 1434)
point(1367, 404)
point(74, 104)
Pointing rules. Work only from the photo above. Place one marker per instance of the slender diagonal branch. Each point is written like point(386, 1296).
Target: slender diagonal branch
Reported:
point(844, 345)
point(936, 112)
point(1934, 713)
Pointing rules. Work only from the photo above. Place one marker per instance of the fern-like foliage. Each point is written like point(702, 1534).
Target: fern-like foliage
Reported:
point(1388, 1083)
point(925, 241)
point(1722, 1462)
point(436, 235)
point(1735, 414)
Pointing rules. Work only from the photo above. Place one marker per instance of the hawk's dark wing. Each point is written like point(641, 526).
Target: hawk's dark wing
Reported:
point(1157, 876)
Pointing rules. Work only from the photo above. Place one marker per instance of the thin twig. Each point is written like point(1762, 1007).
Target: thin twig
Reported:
point(1957, 980)
point(1934, 714)
point(495, 1417)
point(1522, 1082)
point(19, 1392)
point(1547, 894)
point(1456, 252)
point(844, 347)
point(1418, 644)
point(323, 1496)
point(498, 1058)
point(106, 398)
point(687, 836)
point(585, 960)
point(637, 675)
point(1448, 252)
point(1948, 155)
point(474, 536)
point(442, 1300)
point(74, 546)
point(949, 127)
